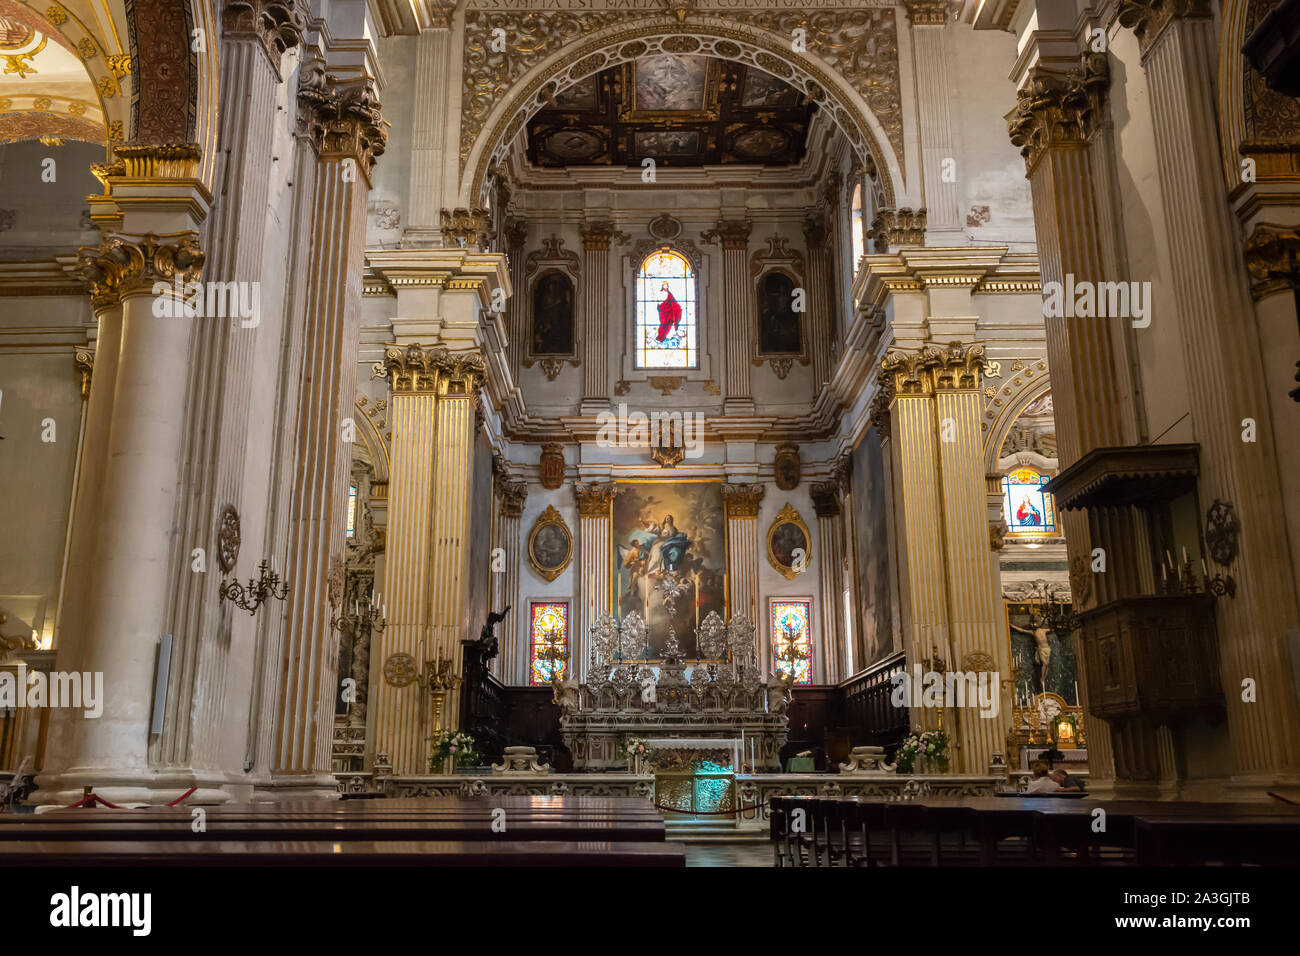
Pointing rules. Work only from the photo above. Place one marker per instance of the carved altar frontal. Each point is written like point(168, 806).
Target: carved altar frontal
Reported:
point(627, 698)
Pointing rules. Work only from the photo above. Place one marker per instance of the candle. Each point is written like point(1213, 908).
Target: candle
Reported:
point(1184, 554)
point(1164, 574)
point(1205, 572)
point(1169, 558)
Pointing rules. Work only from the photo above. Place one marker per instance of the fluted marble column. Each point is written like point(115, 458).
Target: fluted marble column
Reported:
point(738, 314)
point(126, 584)
point(930, 54)
point(220, 385)
point(429, 130)
point(512, 662)
point(516, 305)
point(595, 570)
point(596, 237)
point(1226, 378)
point(742, 503)
point(353, 136)
point(819, 324)
point(830, 577)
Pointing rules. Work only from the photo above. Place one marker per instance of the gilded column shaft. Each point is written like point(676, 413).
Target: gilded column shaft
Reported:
point(595, 502)
point(1221, 352)
point(819, 322)
point(742, 502)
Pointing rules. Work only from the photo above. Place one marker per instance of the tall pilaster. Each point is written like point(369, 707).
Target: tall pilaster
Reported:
point(428, 513)
point(830, 579)
point(516, 306)
point(738, 314)
point(938, 153)
point(819, 326)
point(1221, 350)
point(596, 237)
point(353, 136)
point(512, 662)
point(595, 571)
point(741, 502)
point(429, 130)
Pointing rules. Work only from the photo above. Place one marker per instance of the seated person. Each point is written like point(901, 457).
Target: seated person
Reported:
point(1067, 781)
point(1041, 781)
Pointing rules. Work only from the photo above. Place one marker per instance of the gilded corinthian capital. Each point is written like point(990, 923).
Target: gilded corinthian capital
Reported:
point(596, 236)
point(416, 369)
point(513, 495)
point(730, 234)
point(594, 498)
point(278, 25)
point(123, 265)
point(1147, 18)
point(1271, 254)
point(1059, 109)
point(466, 227)
point(742, 501)
point(934, 368)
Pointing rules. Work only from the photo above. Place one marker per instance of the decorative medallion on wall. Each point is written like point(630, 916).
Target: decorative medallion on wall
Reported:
point(668, 456)
point(551, 466)
point(1221, 531)
point(667, 384)
point(399, 669)
point(789, 543)
point(550, 545)
point(664, 228)
point(228, 539)
point(787, 467)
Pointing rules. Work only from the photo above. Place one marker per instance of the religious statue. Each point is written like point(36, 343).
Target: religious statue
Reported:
point(1042, 651)
point(486, 638)
point(670, 314)
point(646, 678)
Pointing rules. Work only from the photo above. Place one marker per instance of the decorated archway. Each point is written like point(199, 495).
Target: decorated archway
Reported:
point(491, 121)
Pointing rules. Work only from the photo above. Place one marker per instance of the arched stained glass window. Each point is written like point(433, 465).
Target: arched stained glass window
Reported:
point(1026, 507)
point(666, 320)
point(548, 642)
point(858, 243)
point(352, 511)
point(792, 640)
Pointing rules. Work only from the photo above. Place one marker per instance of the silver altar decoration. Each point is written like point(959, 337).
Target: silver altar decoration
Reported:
point(722, 698)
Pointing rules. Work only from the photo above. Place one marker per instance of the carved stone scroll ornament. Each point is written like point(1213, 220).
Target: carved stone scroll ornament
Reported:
point(123, 264)
point(278, 25)
point(1148, 18)
point(1057, 109)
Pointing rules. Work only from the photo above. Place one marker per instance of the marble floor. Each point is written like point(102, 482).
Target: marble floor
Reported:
point(733, 853)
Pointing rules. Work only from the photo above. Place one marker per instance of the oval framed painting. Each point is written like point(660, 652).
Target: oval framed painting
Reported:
point(785, 539)
point(550, 544)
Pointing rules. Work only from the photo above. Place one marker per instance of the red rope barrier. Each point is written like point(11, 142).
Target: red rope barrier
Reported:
point(91, 800)
point(183, 796)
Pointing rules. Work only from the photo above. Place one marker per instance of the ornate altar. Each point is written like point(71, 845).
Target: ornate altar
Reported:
point(722, 697)
point(1045, 722)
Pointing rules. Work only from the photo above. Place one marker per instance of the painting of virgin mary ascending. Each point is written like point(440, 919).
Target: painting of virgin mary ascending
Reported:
point(669, 529)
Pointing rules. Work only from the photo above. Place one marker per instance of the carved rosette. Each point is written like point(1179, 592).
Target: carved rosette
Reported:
point(826, 499)
point(278, 25)
point(595, 498)
point(733, 234)
point(1148, 18)
point(1270, 253)
point(1057, 109)
point(125, 265)
point(742, 501)
point(414, 369)
point(898, 227)
point(466, 227)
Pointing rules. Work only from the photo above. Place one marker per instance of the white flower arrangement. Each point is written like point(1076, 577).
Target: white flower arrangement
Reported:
point(931, 744)
point(457, 745)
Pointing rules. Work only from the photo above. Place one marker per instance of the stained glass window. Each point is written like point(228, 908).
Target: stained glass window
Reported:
point(858, 242)
point(792, 640)
point(1026, 507)
point(352, 511)
point(549, 642)
point(666, 326)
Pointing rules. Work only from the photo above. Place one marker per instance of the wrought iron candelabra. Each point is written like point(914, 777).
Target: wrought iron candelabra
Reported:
point(1175, 579)
point(365, 618)
point(267, 585)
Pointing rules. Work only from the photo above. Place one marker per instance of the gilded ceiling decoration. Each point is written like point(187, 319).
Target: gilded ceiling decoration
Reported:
point(860, 44)
point(680, 110)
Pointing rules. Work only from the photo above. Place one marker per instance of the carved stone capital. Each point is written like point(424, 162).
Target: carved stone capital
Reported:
point(513, 494)
point(596, 236)
point(414, 369)
point(898, 227)
point(814, 231)
point(730, 234)
point(879, 414)
point(934, 368)
point(353, 126)
point(594, 498)
point(178, 161)
point(928, 12)
point(1273, 259)
point(1148, 18)
point(516, 234)
point(125, 265)
point(278, 25)
point(466, 227)
point(1056, 109)
point(826, 499)
point(741, 500)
